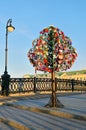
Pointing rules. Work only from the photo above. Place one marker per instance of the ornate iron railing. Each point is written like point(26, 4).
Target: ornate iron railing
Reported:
point(0, 84)
point(18, 85)
point(63, 84)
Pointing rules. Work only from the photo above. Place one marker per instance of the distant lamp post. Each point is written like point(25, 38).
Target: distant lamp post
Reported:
point(6, 76)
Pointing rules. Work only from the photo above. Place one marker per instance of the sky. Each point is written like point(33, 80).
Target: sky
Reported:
point(29, 17)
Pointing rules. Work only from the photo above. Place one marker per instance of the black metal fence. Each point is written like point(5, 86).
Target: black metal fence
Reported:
point(22, 85)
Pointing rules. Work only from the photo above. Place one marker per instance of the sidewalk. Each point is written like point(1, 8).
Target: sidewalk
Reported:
point(74, 104)
point(27, 112)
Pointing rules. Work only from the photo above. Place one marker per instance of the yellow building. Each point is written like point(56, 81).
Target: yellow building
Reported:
point(76, 76)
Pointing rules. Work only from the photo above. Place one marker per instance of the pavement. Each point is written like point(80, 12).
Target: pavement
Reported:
point(73, 112)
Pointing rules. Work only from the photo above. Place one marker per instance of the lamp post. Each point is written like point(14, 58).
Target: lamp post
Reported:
point(6, 77)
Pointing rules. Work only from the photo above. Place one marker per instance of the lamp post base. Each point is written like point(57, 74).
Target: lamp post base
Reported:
point(5, 84)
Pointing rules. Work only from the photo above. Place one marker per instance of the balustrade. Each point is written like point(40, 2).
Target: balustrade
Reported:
point(22, 85)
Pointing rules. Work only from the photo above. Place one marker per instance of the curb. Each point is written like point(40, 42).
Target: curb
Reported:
point(47, 111)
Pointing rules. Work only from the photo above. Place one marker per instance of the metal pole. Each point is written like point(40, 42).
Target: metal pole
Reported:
point(53, 89)
point(35, 81)
point(6, 50)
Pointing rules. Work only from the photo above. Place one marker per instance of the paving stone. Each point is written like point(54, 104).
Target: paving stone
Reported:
point(43, 121)
point(4, 126)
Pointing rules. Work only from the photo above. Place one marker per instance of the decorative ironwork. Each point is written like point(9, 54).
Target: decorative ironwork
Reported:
point(63, 85)
point(22, 85)
point(43, 84)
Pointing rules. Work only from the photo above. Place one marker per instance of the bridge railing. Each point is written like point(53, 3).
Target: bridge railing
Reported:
point(22, 85)
point(18, 85)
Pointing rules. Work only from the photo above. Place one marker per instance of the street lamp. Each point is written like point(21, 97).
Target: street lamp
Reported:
point(6, 77)
point(9, 28)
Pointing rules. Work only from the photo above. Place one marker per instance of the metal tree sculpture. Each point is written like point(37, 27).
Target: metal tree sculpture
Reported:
point(51, 52)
